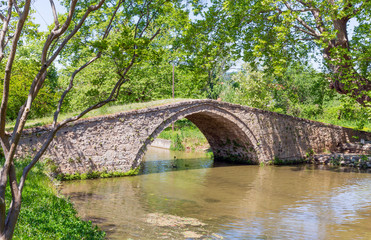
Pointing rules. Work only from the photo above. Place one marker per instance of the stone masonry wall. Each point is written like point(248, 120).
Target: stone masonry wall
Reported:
point(237, 133)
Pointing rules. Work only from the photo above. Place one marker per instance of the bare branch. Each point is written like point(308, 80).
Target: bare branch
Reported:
point(307, 32)
point(306, 39)
point(40, 77)
point(73, 32)
point(302, 22)
point(9, 65)
point(55, 15)
point(2, 17)
point(156, 33)
point(4, 29)
point(56, 126)
point(57, 31)
point(319, 22)
point(137, 25)
point(307, 4)
point(56, 114)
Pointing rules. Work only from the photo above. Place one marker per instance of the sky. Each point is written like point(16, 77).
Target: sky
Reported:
point(43, 14)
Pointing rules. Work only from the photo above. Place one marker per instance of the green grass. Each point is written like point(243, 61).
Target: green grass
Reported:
point(105, 110)
point(96, 174)
point(190, 136)
point(343, 114)
point(346, 123)
point(45, 215)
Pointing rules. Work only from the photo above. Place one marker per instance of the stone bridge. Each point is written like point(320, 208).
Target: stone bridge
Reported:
point(235, 133)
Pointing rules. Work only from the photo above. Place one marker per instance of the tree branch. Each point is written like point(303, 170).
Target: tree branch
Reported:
point(305, 3)
point(56, 126)
point(17, 8)
point(57, 31)
point(40, 77)
point(4, 29)
point(307, 32)
point(302, 22)
point(15, 205)
point(9, 65)
point(319, 22)
point(55, 15)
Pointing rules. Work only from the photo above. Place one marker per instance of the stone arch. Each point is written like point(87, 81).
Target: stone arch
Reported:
point(228, 136)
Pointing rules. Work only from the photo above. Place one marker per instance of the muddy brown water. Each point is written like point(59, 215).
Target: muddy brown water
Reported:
point(190, 197)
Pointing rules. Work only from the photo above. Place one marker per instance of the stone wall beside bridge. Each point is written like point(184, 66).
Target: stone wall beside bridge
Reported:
point(235, 133)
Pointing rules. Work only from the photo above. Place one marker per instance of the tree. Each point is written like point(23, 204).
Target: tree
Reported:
point(122, 31)
point(152, 75)
point(249, 87)
point(275, 33)
point(25, 66)
point(208, 48)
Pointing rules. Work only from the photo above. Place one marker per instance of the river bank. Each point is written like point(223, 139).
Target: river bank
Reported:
point(45, 214)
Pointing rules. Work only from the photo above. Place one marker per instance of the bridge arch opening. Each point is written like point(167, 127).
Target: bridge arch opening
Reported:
point(228, 137)
point(227, 140)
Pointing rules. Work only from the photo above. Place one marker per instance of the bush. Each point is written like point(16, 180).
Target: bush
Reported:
point(176, 143)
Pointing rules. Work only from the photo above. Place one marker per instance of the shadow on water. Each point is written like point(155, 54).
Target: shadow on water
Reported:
point(159, 160)
point(159, 166)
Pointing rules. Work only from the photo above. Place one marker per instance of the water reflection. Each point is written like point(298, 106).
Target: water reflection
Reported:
point(235, 202)
point(159, 160)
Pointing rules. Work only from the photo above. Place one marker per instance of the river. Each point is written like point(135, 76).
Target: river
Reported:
point(189, 197)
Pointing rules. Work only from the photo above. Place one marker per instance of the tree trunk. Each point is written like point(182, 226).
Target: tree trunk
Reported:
point(345, 79)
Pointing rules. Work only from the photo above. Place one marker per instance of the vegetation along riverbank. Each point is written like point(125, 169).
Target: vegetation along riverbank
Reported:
point(185, 137)
point(52, 216)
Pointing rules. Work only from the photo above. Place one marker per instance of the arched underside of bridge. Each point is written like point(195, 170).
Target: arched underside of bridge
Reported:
point(229, 138)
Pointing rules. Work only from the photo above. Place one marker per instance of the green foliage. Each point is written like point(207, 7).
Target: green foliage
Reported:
point(25, 67)
point(301, 92)
point(335, 161)
point(249, 87)
point(149, 77)
point(309, 153)
point(275, 34)
point(186, 135)
point(176, 143)
point(51, 216)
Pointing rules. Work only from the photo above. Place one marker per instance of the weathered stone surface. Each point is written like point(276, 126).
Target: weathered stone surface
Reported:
point(357, 147)
point(238, 133)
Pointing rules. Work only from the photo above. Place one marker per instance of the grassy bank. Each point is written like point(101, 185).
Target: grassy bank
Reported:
point(186, 136)
point(45, 215)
